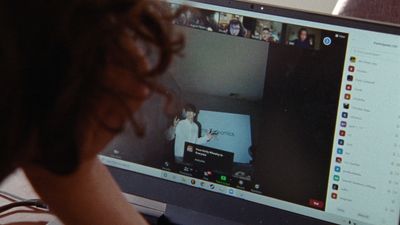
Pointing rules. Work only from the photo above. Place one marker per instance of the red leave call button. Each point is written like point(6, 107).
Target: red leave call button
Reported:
point(316, 204)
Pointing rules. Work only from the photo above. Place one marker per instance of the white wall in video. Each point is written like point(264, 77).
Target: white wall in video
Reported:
point(221, 65)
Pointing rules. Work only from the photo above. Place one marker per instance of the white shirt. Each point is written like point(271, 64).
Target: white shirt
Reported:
point(187, 131)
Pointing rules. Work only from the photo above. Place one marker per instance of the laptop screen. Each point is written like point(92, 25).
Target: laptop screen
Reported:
point(298, 115)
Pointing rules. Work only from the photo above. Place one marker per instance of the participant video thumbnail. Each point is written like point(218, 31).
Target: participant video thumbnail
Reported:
point(231, 24)
point(264, 30)
point(303, 37)
point(197, 18)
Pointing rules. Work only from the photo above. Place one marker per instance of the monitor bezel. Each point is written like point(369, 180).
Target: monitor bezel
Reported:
point(224, 206)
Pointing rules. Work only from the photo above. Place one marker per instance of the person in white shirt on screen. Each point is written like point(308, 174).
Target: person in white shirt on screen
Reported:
point(187, 130)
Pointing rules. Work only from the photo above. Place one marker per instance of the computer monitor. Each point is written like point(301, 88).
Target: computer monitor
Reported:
point(283, 117)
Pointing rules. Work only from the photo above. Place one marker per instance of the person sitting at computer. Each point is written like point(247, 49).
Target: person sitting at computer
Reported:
point(187, 130)
point(72, 75)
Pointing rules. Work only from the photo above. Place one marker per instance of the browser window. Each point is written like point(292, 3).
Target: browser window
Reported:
point(298, 115)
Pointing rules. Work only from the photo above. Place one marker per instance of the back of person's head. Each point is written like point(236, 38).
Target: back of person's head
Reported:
point(59, 60)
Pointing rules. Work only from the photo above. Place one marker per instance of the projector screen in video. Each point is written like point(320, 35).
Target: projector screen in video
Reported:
point(233, 133)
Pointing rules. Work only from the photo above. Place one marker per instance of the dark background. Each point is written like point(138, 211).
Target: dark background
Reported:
point(301, 99)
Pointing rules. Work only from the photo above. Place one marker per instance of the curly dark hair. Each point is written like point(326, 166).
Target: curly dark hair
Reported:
point(53, 57)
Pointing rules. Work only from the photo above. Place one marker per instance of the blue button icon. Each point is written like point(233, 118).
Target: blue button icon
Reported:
point(340, 151)
point(337, 169)
point(327, 41)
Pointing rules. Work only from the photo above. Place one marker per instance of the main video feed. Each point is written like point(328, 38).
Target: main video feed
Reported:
point(223, 89)
point(255, 104)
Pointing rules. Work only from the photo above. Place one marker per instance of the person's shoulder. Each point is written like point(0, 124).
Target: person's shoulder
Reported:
point(181, 123)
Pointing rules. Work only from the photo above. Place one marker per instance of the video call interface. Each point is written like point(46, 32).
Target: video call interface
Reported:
point(256, 104)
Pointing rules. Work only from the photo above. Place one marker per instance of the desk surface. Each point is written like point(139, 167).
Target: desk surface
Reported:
point(18, 185)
